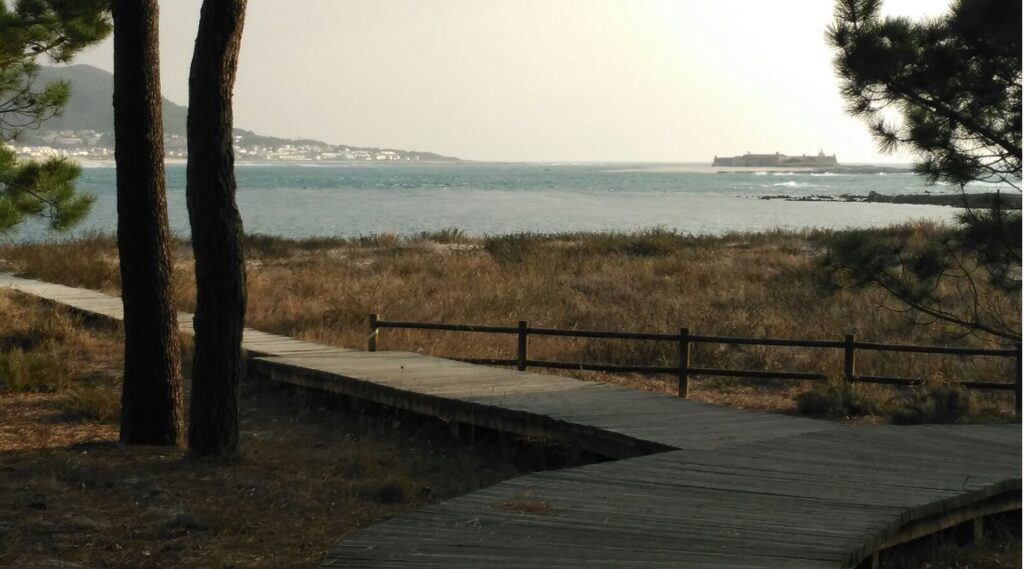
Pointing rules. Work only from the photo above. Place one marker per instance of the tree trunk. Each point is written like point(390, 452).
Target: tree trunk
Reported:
point(151, 400)
point(216, 232)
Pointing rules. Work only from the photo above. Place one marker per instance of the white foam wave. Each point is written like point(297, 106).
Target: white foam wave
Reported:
point(794, 184)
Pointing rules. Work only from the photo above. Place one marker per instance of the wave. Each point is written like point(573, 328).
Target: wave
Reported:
point(795, 184)
point(816, 174)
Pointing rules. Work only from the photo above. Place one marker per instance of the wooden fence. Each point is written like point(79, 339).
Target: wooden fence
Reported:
point(684, 339)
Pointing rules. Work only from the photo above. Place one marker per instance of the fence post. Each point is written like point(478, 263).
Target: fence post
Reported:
point(1016, 384)
point(371, 343)
point(521, 351)
point(849, 364)
point(684, 362)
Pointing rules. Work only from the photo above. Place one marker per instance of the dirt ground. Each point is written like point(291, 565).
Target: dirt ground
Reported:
point(312, 470)
point(70, 496)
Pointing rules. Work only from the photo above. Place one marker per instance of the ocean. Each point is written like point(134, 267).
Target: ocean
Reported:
point(351, 199)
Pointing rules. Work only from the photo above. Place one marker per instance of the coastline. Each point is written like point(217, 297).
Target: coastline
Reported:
point(105, 163)
point(707, 169)
point(986, 200)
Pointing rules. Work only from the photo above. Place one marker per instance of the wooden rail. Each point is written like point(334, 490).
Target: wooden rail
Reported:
point(684, 369)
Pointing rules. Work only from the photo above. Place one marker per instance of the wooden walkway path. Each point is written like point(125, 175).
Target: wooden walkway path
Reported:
point(698, 485)
point(821, 499)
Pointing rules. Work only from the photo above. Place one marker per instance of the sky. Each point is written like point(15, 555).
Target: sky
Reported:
point(538, 80)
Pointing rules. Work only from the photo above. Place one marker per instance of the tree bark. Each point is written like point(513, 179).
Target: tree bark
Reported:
point(151, 401)
point(216, 232)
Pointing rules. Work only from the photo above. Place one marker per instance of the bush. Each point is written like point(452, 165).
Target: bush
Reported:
point(647, 243)
point(385, 240)
point(511, 248)
point(655, 242)
point(91, 404)
point(446, 235)
point(389, 490)
point(22, 372)
point(836, 400)
point(262, 246)
point(936, 403)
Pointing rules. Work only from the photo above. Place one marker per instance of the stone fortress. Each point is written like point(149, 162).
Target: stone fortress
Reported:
point(749, 160)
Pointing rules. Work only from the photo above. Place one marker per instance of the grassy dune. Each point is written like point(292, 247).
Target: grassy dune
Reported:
point(741, 284)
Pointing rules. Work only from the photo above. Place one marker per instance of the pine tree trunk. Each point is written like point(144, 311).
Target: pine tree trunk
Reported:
point(151, 402)
point(216, 232)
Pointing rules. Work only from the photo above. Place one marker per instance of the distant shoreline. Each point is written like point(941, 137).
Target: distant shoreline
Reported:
point(706, 169)
point(105, 163)
point(981, 201)
point(678, 168)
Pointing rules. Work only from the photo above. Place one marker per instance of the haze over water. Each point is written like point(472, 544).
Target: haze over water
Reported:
point(480, 198)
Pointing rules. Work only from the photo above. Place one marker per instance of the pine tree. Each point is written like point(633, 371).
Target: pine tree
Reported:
point(216, 232)
point(29, 30)
point(948, 90)
point(152, 409)
point(954, 83)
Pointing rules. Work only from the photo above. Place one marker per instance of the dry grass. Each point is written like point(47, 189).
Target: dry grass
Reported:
point(70, 496)
point(742, 284)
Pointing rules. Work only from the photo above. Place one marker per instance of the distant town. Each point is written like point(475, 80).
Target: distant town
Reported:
point(96, 145)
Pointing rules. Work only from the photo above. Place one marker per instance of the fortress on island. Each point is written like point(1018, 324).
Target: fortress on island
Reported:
point(776, 160)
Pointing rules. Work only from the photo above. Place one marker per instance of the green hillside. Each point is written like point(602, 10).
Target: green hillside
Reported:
point(91, 103)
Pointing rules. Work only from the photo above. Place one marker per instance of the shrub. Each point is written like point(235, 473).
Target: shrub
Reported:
point(446, 235)
point(836, 400)
point(935, 403)
point(647, 243)
point(389, 490)
point(379, 240)
point(32, 372)
point(654, 242)
point(91, 404)
point(260, 246)
point(511, 248)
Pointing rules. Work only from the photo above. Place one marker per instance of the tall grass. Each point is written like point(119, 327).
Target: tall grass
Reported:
point(44, 349)
point(759, 285)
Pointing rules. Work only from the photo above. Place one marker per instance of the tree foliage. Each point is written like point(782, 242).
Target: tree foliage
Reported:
point(936, 272)
point(30, 29)
point(40, 189)
point(954, 83)
point(949, 90)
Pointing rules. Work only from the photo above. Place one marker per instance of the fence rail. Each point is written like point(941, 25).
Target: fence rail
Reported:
point(684, 370)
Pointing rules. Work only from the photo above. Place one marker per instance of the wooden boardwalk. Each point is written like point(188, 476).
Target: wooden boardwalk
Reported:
point(697, 485)
point(821, 499)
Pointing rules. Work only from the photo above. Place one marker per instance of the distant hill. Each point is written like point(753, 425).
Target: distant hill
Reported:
point(91, 104)
point(90, 107)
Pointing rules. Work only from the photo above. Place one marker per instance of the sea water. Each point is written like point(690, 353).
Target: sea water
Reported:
point(351, 199)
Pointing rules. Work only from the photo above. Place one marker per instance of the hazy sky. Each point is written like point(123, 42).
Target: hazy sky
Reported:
point(538, 80)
